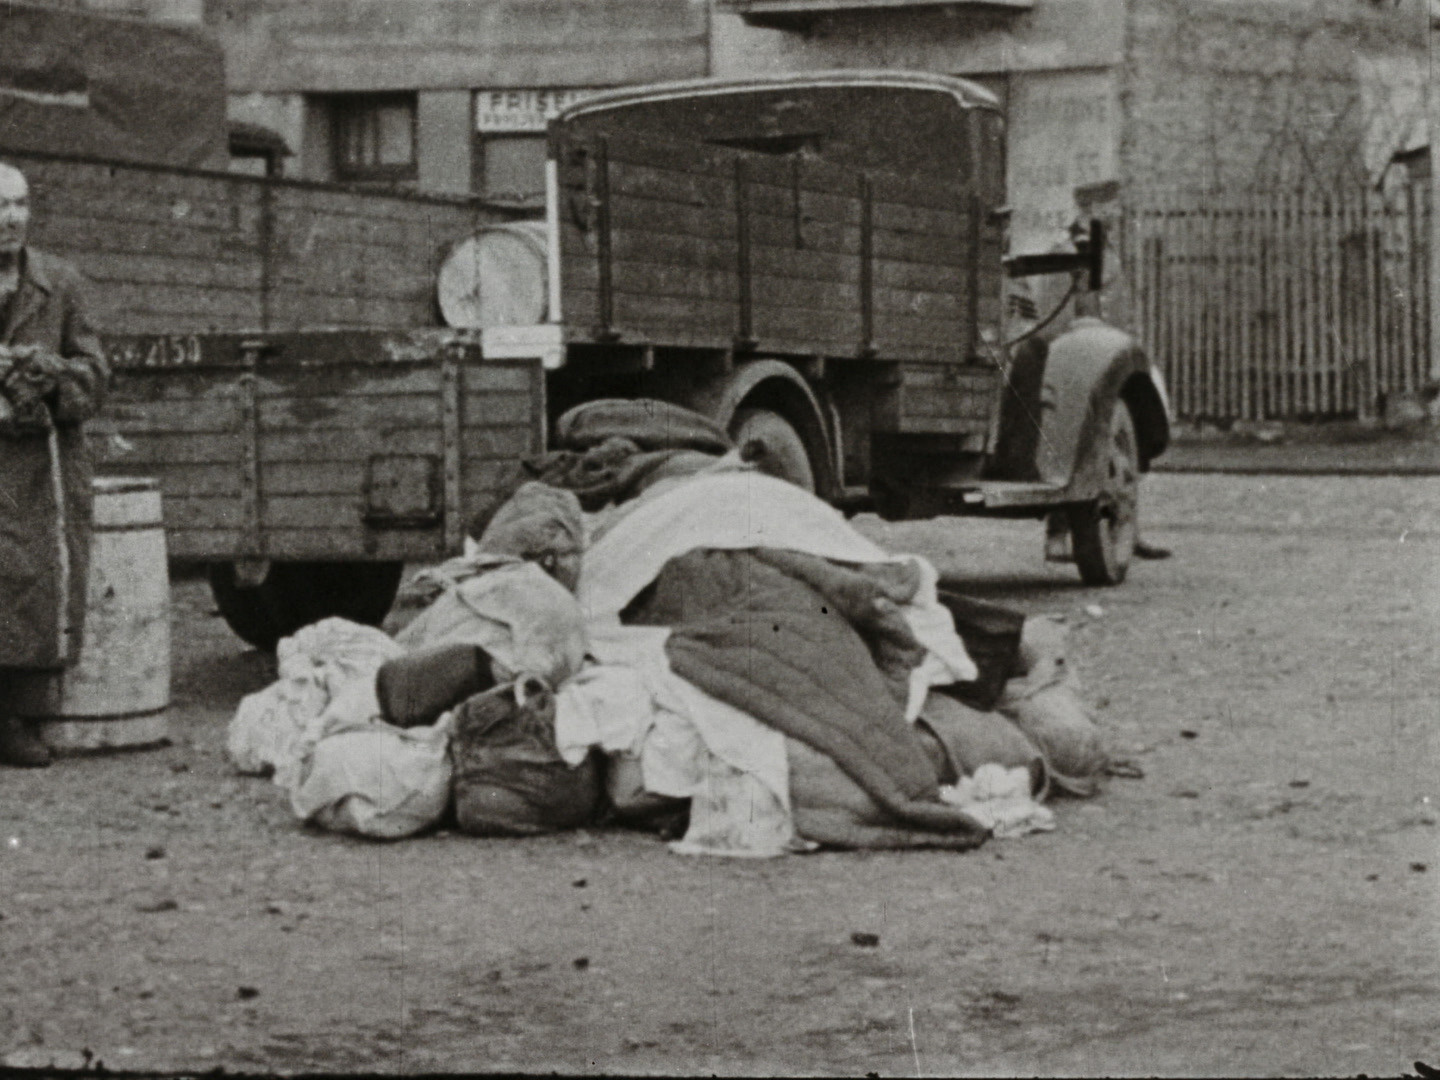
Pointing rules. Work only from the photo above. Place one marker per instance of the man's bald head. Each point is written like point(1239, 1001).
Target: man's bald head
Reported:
point(14, 211)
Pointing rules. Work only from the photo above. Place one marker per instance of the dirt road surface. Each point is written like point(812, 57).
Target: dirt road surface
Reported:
point(1263, 901)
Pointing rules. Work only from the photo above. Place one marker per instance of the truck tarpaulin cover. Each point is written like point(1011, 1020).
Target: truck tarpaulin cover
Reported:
point(121, 89)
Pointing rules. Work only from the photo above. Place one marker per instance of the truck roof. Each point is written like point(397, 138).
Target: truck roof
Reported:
point(969, 95)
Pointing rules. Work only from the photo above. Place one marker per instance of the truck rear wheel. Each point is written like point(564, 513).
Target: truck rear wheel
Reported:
point(300, 593)
point(774, 445)
point(1103, 531)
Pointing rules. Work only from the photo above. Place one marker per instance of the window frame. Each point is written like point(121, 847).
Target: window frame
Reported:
point(345, 109)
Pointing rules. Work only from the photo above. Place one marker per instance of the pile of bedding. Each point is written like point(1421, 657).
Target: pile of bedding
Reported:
point(654, 632)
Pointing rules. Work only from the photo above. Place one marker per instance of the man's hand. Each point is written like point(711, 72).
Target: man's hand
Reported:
point(28, 377)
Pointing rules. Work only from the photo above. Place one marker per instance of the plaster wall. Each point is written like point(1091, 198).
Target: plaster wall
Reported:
point(329, 46)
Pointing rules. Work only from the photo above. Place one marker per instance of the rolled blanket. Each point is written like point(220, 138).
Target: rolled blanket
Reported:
point(417, 688)
point(649, 424)
point(614, 470)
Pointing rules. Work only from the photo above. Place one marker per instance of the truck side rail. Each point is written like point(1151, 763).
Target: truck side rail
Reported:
point(345, 446)
point(177, 250)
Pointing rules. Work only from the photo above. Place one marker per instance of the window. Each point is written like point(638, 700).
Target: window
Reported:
point(512, 168)
point(374, 137)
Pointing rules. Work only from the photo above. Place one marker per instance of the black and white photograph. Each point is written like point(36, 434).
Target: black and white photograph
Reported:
point(720, 537)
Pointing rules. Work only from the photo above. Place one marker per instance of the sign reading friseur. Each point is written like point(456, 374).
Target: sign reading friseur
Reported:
point(498, 111)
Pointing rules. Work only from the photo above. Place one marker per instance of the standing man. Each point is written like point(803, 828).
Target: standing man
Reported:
point(53, 377)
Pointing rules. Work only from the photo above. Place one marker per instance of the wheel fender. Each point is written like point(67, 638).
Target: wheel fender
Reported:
point(1089, 368)
point(772, 384)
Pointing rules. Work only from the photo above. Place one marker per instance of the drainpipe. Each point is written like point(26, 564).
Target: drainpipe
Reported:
point(1432, 101)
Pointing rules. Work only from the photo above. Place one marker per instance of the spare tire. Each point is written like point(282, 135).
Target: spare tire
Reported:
point(497, 277)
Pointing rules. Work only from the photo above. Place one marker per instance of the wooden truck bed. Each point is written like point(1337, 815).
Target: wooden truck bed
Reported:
point(177, 251)
point(346, 446)
point(667, 242)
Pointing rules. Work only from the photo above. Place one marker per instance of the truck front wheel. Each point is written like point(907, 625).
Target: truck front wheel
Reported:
point(300, 593)
point(1103, 531)
point(769, 440)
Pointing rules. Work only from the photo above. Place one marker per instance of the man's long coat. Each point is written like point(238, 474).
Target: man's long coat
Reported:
point(45, 555)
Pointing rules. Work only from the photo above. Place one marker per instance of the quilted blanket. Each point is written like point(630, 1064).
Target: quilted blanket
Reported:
point(814, 650)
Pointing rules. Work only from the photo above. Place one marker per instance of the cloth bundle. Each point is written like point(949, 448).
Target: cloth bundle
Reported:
point(510, 779)
point(771, 675)
point(612, 450)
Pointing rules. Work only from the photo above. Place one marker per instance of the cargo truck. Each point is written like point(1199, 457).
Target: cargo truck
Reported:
point(330, 382)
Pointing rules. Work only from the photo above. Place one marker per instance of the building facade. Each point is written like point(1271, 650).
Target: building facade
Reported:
point(1101, 95)
point(446, 96)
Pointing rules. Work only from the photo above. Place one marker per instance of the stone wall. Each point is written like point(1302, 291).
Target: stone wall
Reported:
point(1259, 93)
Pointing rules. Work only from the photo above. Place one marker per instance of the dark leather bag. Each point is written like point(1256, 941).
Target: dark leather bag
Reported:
point(510, 779)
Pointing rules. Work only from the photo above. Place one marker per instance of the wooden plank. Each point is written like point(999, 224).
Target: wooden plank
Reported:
point(1415, 373)
point(314, 477)
point(195, 511)
point(1365, 285)
point(346, 445)
point(202, 544)
point(1339, 360)
point(1162, 307)
point(1276, 357)
point(290, 380)
point(388, 412)
point(1282, 263)
point(1315, 307)
point(193, 416)
point(159, 448)
point(711, 254)
point(1426, 230)
point(1215, 314)
point(499, 376)
point(1245, 292)
point(667, 184)
point(355, 543)
point(498, 411)
point(1239, 283)
point(141, 385)
point(776, 230)
point(1351, 315)
point(1212, 292)
point(167, 269)
point(1299, 373)
point(1184, 227)
point(495, 443)
point(312, 511)
point(1376, 216)
point(179, 479)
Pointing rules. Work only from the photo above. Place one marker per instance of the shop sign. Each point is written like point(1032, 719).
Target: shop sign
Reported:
point(522, 110)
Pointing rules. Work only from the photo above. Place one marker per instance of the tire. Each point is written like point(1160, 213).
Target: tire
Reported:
point(1103, 532)
point(300, 593)
point(775, 446)
point(243, 608)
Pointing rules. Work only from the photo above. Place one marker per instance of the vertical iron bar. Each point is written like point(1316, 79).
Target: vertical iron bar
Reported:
point(745, 328)
point(867, 269)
